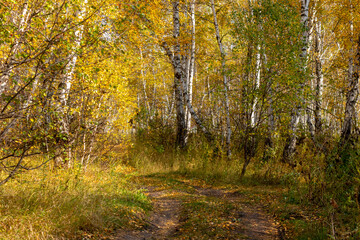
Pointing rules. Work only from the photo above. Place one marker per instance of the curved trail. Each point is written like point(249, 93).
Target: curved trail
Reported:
point(163, 219)
point(167, 219)
point(255, 223)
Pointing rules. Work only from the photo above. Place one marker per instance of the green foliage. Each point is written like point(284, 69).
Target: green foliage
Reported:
point(154, 132)
point(328, 181)
point(313, 231)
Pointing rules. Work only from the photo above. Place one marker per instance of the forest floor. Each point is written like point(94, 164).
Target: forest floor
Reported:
point(185, 208)
point(122, 203)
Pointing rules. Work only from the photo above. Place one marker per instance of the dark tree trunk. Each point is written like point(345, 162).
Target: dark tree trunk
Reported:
point(180, 111)
point(352, 95)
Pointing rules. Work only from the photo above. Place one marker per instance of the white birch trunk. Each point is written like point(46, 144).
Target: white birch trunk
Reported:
point(304, 57)
point(225, 81)
point(191, 68)
point(70, 67)
point(319, 78)
point(353, 86)
point(6, 69)
point(180, 86)
point(146, 102)
point(254, 113)
point(68, 79)
point(296, 114)
point(178, 78)
point(271, 118)
point(196, 118)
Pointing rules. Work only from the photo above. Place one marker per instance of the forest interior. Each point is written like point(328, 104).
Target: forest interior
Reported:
point(181, 119)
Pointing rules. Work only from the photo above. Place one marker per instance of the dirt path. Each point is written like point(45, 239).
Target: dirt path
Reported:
point(171, 218)
point(163, 219)
point(255, 223)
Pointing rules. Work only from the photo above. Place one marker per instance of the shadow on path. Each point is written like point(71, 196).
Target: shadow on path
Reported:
point(164, 222)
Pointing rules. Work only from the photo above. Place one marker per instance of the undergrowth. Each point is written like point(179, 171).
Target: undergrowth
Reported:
point(70, 204)
point(201, 161)
point(317, 199)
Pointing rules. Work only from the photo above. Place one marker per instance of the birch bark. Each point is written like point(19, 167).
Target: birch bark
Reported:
point(8, 65)
point(23, 23)
point(146, 101)
point(180, 86)
point(70, 67)
point(191, 69)
point(271, 118)
point(254, 113)
point(319, 78)
point(290, 146)
point(225, 82)
point(68, 79)
point(178, 77)
point(353, 86)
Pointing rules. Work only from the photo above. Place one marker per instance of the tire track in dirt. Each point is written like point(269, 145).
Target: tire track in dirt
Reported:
point(255, 223)
point(164, 220)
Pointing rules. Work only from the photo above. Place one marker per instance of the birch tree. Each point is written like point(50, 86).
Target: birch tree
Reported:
point(353, 82)
point(68, 78)
point(181, 134)
point(225, 81)
point(21, 23)
point(319, 82)
point(182, 95)
point(290, 146)
point(191, 64)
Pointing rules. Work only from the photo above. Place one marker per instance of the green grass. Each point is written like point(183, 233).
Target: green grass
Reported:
point(70, 204)
point(62, 204)
point(270, 184)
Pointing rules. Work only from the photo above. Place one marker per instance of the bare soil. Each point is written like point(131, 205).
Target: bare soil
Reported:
point(164, 220)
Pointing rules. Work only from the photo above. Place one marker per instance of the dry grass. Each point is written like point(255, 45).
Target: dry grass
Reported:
point(62, 204)
point(202, 162)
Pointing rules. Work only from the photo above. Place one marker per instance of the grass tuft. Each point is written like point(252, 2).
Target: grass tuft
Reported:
point(70, 204)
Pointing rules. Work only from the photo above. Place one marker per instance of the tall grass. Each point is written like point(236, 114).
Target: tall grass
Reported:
point(203, 161)
point(70, 204)
point(325, 181)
